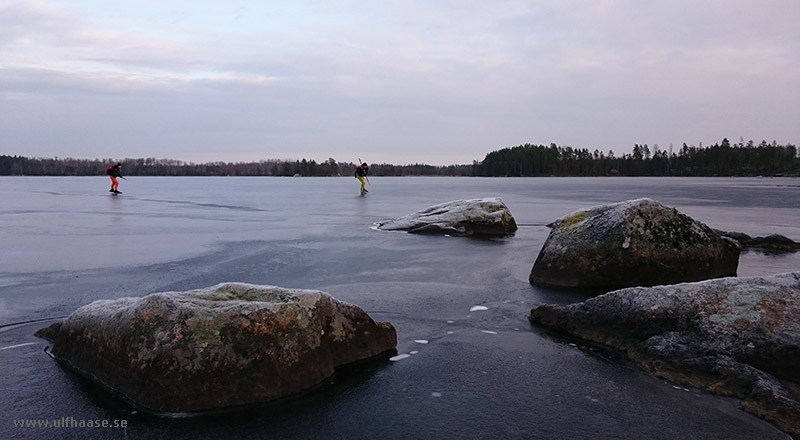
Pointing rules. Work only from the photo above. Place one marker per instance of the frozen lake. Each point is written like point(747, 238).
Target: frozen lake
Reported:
point(469, 365)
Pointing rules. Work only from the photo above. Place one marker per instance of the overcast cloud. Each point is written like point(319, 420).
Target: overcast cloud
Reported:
point(438, 82)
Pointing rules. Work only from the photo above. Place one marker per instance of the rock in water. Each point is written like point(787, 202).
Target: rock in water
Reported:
point(771, 243)
point(731, 336)
point(476, 217)
point(223, 346)
point(633, 243)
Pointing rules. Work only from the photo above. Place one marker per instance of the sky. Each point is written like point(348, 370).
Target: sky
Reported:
point(415, 81)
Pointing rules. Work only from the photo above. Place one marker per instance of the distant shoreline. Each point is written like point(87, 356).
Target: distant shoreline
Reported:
point(719, 160)
point(422, 175)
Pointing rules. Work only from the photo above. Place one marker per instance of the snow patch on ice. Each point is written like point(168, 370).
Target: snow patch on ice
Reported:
point(489, 332)
point(421, 341)
point(399, 357)
point(478, 308)
point(18, 345)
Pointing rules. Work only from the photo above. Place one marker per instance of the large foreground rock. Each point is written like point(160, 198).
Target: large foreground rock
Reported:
point(736, 337)
point(476, 217)
point(226, 345)
point(633, 243)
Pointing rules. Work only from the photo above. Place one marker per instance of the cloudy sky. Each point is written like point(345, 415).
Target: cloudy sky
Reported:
point(429, 81)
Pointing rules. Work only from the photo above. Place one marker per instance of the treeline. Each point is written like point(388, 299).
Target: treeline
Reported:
point(24, 166)
point(721, 159)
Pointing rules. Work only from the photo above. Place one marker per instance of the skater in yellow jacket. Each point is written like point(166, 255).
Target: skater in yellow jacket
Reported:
point(361, 174)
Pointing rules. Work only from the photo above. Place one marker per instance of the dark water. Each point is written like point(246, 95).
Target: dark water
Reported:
point(65, 242)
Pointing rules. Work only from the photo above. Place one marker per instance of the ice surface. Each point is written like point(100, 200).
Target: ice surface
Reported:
point(53, 224)
point(64, 242)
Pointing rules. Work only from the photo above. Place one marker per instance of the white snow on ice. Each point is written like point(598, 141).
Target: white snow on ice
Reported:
point(18, 345)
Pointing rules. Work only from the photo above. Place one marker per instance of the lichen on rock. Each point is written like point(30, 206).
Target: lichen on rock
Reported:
point(632, 243)
point(227, 345)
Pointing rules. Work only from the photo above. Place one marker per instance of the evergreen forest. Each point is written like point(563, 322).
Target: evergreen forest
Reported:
point(721, 159)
